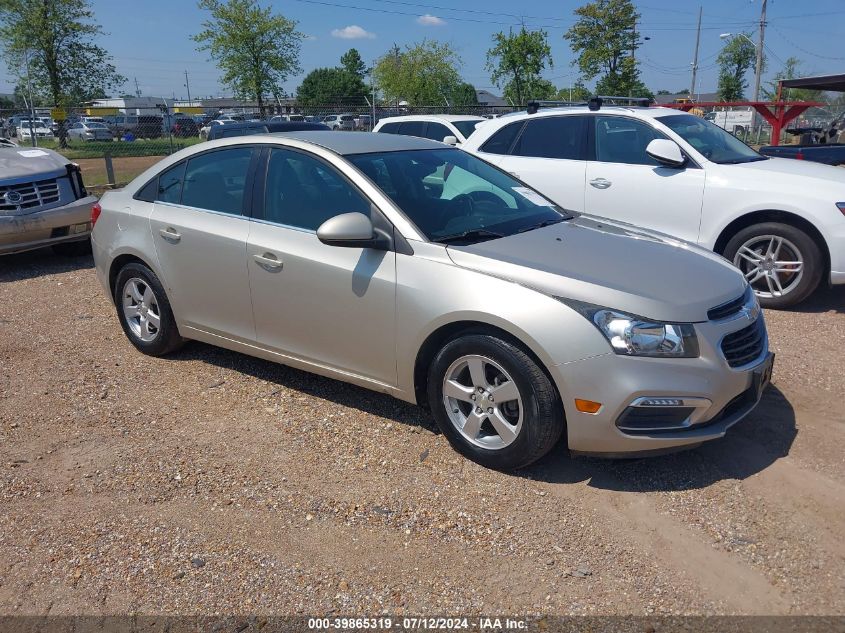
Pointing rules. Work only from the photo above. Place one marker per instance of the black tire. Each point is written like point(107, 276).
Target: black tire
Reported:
point(809, 253)
point(73, 249)
point(542, 413)
point(167, 339)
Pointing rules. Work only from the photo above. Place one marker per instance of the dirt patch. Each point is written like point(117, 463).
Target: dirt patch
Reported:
point(125, 168)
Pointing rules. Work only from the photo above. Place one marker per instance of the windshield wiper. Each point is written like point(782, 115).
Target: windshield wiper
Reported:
point(540, 225)
point(739, 161)
point(472, 234)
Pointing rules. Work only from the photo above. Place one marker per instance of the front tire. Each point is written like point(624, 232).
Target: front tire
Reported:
point(782, 263)
point(144, 311)
point(493, 403)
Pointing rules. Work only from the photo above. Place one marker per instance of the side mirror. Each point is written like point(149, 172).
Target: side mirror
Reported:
point(348, 229)
point(666, 152)
point(450, 140)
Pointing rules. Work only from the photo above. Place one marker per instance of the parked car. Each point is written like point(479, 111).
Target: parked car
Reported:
point(781, 222)
point(453, 129)
point(287, 117)
point(340, 122)
point(26, 131)
point(43, 202)
point(420, 271)
point(149, 126)
point(206, 129)
point(261, 127)
point(182, 125)
point(121, 124)
point(81, 131)
point(819, 145)
point(364, 122)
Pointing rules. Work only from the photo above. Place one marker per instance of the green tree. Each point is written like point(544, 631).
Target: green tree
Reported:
point(324, 86)
point(791, 70)
point(604, 38)
point(351, 62)
point(516, 60)
point(464, 95)
point(256, 49)
point(424, 73)
point(735, 60)
point(579, 92)
point(66, 67)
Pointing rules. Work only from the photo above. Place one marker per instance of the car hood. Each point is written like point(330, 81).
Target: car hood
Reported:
point(22, 163)
point(798, 170)
point(611, 264)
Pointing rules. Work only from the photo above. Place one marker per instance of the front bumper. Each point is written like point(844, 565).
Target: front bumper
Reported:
point(45, 228)
point(620, 381)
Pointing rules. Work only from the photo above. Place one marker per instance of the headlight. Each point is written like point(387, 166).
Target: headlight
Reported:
point(631, 335)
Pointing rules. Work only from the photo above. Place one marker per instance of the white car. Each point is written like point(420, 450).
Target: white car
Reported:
point(782, 222)
point(205, 129)
point(89, 131)
point(38, 129)
point(453, 129)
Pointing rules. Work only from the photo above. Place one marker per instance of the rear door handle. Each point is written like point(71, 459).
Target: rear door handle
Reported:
point(268, 261)
point(600, 183)
point(170, 234)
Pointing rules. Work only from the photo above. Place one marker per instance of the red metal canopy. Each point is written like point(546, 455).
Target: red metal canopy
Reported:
point(778, 113)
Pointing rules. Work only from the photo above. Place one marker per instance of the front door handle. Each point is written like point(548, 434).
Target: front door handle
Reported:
point(600, 183)
point(268, 261)
point(170, 234)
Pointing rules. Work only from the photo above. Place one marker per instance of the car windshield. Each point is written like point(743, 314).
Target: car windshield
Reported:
point(466, 127)
point(456, 198)
point(711, 141)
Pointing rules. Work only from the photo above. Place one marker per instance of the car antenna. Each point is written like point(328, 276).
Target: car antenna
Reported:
point(594, 103)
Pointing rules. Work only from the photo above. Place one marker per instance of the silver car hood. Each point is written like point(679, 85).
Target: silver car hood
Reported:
point(22, 163)
point(610, 264)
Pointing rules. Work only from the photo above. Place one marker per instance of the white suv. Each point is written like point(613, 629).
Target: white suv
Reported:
point(782, 222)
point(437, 127)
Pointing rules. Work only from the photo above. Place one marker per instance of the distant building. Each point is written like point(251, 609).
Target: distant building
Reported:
point(486, 98)
point(133, 105)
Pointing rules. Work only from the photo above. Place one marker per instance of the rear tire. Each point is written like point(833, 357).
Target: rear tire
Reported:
point(759, 249)
point(499, 408)
point(144, 311)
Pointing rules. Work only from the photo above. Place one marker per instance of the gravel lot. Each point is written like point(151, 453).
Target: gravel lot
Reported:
point(213, 482)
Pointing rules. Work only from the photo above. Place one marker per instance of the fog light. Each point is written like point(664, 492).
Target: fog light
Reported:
point(587, 406)
point(661, 402)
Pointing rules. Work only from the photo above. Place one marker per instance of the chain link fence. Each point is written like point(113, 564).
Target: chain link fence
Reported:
point(113, 146)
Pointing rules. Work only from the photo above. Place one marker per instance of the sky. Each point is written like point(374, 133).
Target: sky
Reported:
point(150, 40)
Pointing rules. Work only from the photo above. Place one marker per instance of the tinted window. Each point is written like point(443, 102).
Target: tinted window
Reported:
point(170, 184)
point(501, 141)
point(216, 181)
point(437, 131)
point(412, 128)
point(553, 137)
point(390, 128)
point(623, 140)
point(148, 192)
point(465, 127)
point(304, 192)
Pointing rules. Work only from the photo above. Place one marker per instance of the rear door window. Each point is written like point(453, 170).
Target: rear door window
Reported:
point(412, 128)
point(216, 181)
point(554, 137)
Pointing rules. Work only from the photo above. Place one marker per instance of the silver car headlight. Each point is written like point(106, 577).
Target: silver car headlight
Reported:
point(631, 335)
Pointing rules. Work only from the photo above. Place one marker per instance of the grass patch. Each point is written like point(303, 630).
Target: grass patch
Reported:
point(97, 149)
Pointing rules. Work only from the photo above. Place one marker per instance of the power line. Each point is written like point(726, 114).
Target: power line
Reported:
point(804, 50)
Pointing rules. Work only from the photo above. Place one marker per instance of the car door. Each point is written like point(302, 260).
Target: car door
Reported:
point(550, 154)
point(327, 305)
point(200, 232)
point(624, 183)
point(437, 131)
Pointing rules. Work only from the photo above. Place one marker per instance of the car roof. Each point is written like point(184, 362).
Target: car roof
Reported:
point(349, 143)
point(435, 117)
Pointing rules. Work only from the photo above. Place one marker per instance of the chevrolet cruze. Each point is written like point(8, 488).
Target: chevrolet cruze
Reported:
point(412, 268)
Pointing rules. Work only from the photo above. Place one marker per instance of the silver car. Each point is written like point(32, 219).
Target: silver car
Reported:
point(411, 268)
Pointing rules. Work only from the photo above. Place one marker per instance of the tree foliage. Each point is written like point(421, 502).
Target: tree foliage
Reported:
point(516, 61)
point(351, 62)
point(66, 67)
point(737, 57)
point(328, 86)
point(604, 38)
point(464, 95)
point(425, 73)
point(577, 93)
point(791, 70)
point(256, 49)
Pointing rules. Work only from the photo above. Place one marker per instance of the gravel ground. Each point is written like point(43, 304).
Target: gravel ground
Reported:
point(211, 482)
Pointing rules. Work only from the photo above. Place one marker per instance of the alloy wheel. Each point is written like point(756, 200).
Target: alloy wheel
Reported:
point(772, 264)
point(141, 310)
point(483, 402)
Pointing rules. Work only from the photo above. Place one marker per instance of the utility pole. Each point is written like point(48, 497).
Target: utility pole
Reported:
point(759, 71)
point(188, 86)
point(32, 137)
point(137, 89)
point(695, 57)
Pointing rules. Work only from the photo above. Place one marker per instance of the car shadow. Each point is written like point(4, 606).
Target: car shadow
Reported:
point(749, 447)
point(38, 263)
point(824, 299)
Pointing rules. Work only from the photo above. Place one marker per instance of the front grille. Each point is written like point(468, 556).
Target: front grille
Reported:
point(729, 309)
point(745, 345)
point(31, 195)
